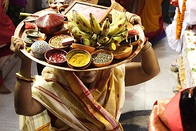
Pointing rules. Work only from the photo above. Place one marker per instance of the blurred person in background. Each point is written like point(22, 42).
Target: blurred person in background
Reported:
point(150, 12)
point(165, 11)
point(6, 31)
point(14, 9)
point(184, 18)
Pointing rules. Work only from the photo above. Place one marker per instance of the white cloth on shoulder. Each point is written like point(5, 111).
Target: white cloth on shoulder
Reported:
point(189, 19)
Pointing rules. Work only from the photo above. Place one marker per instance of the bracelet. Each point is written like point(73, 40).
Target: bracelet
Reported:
point(148, 48)
point(23, 78)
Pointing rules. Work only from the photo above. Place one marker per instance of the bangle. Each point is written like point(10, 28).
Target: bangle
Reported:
point(23, 78)
point(147, 48)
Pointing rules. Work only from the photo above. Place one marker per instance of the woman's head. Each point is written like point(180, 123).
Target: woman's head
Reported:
point(87, 76)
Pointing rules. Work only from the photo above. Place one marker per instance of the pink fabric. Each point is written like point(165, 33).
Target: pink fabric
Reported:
point(6, 27)
point(172, 113)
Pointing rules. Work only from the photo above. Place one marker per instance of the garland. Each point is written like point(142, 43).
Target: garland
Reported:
point(180, 19)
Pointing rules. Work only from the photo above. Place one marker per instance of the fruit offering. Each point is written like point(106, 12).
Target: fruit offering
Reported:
point(109, 33)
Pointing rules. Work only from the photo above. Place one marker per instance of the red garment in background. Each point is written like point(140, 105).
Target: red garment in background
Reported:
point(6, 27)
point(1, 80)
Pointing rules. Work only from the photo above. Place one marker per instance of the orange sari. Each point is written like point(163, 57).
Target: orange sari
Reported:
point(72, 106)
point(150, 12)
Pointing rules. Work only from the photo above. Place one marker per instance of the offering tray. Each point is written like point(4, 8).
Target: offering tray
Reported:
point(116, 62)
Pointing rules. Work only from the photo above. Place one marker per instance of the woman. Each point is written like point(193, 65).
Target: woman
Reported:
point(185, 17)
point(6, 25)
point(14, 9)
point(151, 16)
point(175, 114)
point(77, 100)
point(65, 100)
point(6, 31)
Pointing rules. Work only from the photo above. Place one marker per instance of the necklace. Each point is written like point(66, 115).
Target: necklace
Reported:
point(180, 19)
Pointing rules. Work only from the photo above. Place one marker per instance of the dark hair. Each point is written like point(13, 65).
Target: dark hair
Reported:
point(188, 104)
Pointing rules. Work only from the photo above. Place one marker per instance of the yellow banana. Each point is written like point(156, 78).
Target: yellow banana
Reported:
point(114, 15)
point(85, 41)
point(110, 17)
point(103, 40)
point(95, 26)
point(82, 22)
point(88, 42)
point(119, 26)
point(105, 28)
point(71, 16)
point(76, 32)
point(117, 16)
point(112, 46)
point(117, 39)
point(71, 25)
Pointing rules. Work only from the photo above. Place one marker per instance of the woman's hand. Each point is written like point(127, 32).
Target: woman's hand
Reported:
point(5, 4)
point(16, 45)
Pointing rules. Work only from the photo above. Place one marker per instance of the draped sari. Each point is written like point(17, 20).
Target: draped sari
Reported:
point(150, 12)
point(6, 27)
point(72, 106)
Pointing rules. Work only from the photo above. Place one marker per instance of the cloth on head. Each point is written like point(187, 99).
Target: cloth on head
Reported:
point(71, 105)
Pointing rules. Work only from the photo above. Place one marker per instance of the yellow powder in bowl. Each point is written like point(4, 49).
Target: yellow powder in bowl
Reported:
point(78, 58)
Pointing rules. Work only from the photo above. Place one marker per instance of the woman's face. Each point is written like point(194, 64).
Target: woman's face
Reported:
point(87, 76)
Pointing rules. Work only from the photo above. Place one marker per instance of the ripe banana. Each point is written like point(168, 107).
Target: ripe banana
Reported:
point(71, 16)
point(76, 32)
point(117, 16)
point(124, 34)
point(103, 40)
point(114, 15)
point(117, 39)
point(71, 25)
point(88, 42)
point(85, 41)
point(119, 26)
point(93, 40)
point(82, 22)
point(95, 26)
point(112, 46)
point(105, 28)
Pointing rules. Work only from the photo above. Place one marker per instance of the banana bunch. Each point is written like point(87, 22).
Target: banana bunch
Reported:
point(111, 32)
point(114, 30)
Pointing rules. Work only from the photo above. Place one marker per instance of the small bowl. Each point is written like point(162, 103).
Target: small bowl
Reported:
point(31, 35)
point(123, 51)
point(61, 41)
point(78, 58)
point(90, 49)
point(56, 56)
point(101, 58)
